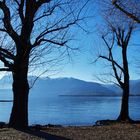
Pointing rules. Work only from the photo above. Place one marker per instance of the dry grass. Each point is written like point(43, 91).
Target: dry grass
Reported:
point(109, 132)
point(12, 134)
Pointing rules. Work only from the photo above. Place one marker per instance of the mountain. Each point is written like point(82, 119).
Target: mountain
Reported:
point(6, 82)
point(70, 86)
point(135, 87)
point(116, 89)
point(60, 86)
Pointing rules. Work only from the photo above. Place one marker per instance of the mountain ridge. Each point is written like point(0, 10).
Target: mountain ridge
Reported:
point(71, 86)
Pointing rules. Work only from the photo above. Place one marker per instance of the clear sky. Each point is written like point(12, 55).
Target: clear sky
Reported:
point(82, 68)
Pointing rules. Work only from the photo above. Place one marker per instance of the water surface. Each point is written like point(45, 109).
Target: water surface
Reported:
point(70, 110)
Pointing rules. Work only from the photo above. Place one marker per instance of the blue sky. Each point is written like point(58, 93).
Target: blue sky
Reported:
point(89, 44)
point(82, 67)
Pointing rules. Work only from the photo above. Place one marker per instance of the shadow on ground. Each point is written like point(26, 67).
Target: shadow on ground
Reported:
point(44, 135)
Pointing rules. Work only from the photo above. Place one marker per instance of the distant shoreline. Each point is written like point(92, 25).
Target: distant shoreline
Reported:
point(97, 95)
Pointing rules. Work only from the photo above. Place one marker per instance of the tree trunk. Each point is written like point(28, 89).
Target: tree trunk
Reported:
point(19, 114)
point(124, 113)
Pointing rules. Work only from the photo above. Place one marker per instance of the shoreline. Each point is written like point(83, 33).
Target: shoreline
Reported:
point(116, 131)
point(96, 95)
point(97, 123)
point(110, 130)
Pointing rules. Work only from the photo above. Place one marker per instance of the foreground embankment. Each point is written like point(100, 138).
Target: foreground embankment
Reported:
point(106, 132)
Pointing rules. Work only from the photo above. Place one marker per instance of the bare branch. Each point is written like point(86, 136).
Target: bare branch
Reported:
point(127, 38)
point(111, 60)
point(47, 13)
point(130, 15)
point(7, 53)
point(2, 30)
point(7, 22)
point(51, 41)
point(6, 62)
point(39, 38)
point(41, 2)
point(5, 69)
point(21, 6)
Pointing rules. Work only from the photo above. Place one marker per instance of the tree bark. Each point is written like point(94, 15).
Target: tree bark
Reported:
point(19, 114)
point(124, 113)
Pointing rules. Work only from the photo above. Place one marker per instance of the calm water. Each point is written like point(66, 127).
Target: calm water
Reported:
point(70, 110)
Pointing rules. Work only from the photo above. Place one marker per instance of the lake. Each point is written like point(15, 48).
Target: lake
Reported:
point(70, 110)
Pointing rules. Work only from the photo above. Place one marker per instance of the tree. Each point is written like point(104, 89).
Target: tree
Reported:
point(29, 29)
point(119, 37)
point(116, 35)
point(131, 9)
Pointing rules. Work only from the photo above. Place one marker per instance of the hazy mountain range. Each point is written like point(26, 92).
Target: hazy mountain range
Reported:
point(71, 86)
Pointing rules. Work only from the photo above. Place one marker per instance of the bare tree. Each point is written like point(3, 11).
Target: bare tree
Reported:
point(119, 37)
point(29, 30)
point(129, 8)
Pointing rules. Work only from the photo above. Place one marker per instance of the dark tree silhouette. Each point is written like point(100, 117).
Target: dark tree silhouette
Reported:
point(131, 9)
point(29, 29)
point(120, 37)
